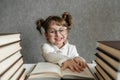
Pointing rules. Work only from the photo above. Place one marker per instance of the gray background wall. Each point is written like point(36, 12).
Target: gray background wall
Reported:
point(93, 20)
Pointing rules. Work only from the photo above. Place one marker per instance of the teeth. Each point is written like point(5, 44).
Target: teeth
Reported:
point(59, 39)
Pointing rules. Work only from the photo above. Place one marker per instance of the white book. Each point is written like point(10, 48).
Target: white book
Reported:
point(8, 50)
point(23, 75)
point(8, 74)
point(4, 65)
point(50, 70)
point(9, 38)
point(17, 74)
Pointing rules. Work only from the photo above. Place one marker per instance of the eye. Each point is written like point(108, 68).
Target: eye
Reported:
point(61, 30)
point(52, 31)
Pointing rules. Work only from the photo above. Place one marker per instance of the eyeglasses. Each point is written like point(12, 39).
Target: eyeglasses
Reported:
point(62, 31)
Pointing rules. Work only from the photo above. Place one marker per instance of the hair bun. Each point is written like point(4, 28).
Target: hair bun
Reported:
point(39, 24)
point(68, 18)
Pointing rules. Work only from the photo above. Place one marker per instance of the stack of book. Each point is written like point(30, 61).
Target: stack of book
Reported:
point(108, 60)
point(11, 60)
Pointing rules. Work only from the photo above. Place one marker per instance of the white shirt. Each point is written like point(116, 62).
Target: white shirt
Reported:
point(52, 53)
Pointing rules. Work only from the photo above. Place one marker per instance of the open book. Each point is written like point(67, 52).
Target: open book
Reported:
point(50, 70)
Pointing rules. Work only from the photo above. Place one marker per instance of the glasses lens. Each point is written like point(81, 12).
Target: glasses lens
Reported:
point(62, 31)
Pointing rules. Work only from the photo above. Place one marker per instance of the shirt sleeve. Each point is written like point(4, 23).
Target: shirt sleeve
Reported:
point(73, 52)
point(53, 56)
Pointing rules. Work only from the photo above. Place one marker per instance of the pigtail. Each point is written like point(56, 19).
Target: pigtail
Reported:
point(68, 18)
point(39, 25)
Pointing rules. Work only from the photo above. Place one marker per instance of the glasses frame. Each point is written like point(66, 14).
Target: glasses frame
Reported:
point(61, 31)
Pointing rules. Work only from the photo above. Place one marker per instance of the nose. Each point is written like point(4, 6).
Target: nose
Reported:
point(57, 33)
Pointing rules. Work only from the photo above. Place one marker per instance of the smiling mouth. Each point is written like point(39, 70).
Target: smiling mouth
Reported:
point(58, 39)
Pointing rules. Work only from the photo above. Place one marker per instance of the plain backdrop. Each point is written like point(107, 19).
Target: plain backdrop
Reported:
point(94, 20)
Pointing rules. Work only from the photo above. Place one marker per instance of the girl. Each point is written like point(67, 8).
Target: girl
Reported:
point(57, 49)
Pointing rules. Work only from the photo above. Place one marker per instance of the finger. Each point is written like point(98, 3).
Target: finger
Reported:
point(63, 67)
point(85, 64)
point(72, 68)
point(78, 68)
point(76, 61)
point(81, 66)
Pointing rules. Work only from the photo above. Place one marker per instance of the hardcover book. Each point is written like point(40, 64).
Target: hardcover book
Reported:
point(98, 75)
point(8, 50)
point(109, 60)
point(102, 73)
point(10, 72)
point(17, 75)
point(7, 63)
point(114, 75)
point(8, 38)
point(111, 47)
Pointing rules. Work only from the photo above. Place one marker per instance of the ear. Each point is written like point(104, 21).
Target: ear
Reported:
point(46, 35)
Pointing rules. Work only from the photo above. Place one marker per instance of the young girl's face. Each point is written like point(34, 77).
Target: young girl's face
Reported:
point(57, 35)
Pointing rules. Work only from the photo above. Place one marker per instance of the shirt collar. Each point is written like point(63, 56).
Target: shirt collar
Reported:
point(64, 47)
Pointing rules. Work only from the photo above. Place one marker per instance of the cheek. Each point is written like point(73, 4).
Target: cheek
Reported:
point(50, 36)
point(65, 36)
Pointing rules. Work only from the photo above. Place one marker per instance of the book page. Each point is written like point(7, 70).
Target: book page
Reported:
point(43, 68)
point(83, 74)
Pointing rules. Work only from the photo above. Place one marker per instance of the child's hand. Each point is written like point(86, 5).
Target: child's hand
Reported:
point(80, 62)
point(72, 65)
